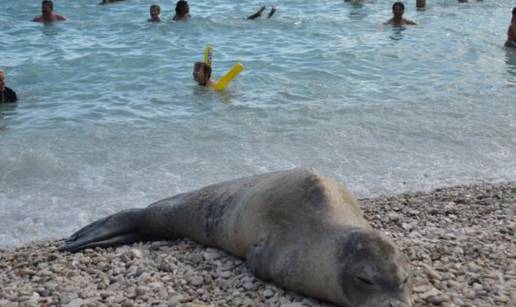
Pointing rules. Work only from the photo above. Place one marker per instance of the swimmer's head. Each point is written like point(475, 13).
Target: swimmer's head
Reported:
point(2, 80)
point(182, 8)
point(201, 73)
point(47, 7)
point(155, 10)
point(398, 8)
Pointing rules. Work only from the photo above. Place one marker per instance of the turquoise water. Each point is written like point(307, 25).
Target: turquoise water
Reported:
point(110, 117)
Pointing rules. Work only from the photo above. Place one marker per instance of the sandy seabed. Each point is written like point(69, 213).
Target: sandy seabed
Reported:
point(460, 241)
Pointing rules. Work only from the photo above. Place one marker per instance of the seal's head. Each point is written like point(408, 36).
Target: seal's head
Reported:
point(373, 272)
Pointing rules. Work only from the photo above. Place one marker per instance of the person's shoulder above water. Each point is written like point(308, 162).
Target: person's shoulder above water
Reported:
point(182, 11)
point(38, 19)
point(109, 1)
point(59, 17)
point(54, 17)
point(397, 20)
point(511, 31)
point(7, 95)
point(397, 23)
point(47, 13)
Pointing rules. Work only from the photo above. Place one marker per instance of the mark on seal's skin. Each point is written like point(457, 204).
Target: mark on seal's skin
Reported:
point(314, 191)
point(215, 210)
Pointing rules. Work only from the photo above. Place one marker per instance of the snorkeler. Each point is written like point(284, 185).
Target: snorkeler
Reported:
point(260, 11)
point(397, 20)
point(47, 13)
point(7, 95)
point(511, 32)
point(109, 1)
point(155, 10)
point(202, 74)
point(182, 11)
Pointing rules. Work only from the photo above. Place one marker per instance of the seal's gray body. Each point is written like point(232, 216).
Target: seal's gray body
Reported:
point(297, 228)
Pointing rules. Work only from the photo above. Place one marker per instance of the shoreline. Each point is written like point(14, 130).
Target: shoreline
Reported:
point(460, 241)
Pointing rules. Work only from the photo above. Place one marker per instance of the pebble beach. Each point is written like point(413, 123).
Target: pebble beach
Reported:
point(460, 241)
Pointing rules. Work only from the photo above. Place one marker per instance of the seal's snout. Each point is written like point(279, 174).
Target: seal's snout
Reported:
point(373, 271)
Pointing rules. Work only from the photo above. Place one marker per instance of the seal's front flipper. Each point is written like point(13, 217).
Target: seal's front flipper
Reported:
point(117, 229)
point(259, 259)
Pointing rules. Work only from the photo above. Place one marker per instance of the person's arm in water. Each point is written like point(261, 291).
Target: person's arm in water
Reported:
point(109, 1)
point(271, 13)
point(258, 14)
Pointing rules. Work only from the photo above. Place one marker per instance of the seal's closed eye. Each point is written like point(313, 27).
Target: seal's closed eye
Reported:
point(364, 281)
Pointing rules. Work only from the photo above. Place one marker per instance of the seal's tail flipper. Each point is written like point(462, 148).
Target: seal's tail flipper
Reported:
point(117, 229)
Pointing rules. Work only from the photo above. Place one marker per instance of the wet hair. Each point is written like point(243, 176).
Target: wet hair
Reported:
point(45, 2)
point(155, 6)
point(400, 4)
point(206, 69)
point(181, 5)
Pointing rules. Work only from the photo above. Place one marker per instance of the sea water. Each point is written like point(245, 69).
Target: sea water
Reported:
point(109, 117)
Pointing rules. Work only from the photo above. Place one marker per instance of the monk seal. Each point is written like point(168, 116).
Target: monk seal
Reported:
point(296, 228)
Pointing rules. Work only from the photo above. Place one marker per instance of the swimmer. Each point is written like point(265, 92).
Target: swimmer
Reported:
point(260, 11)
point(155, 10)
point(47, 13)
point(109, 1)
point(511, 32)
point(202, 74)
point(420, 4)
point(7, 95)
point(397, 20)
point(182, 11)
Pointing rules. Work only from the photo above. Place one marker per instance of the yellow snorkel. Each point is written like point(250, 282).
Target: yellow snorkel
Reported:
point(208, 55)
point(223, 82)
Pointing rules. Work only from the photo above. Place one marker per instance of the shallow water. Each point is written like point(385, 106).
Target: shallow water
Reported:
point(110, 117)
